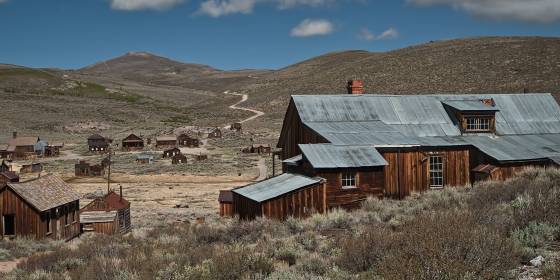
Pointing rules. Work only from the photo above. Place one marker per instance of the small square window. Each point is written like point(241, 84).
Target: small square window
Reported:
point(349, 180)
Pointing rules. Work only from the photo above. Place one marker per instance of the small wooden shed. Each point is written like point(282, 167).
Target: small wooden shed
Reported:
point(85, 169)
point(186, 140)
point(45, 207)
point(226, 203)
point(132, 143)
point(109, 214)
point(281, 197)
point(235, 126)
point(166, 141)
point(214, 133)
point(179, 159)
point(171, 152)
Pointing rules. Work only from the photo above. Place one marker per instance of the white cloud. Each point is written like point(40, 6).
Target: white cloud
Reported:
point(388, 34)
point(287, 4)
point(217, 8)
point(3, 1)
point(540, 11)
point(311, 27)
point(134, 5)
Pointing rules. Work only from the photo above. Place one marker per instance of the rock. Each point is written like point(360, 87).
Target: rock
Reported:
point(538, 261)
point(181, 206)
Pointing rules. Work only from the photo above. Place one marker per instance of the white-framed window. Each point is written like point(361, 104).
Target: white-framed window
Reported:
point(477, 124)
point(436, 171)
point(349, 180)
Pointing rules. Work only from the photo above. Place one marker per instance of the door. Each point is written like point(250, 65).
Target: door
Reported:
point(9, 225)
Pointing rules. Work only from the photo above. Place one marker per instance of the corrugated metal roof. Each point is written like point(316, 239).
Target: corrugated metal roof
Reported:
point(331, 156)
point(293, 160)
point(276, 186)
point(469, 105)
point(46, 192)
point(517, 147)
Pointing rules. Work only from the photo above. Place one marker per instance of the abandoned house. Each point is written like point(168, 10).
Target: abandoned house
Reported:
point(214, 133)
point(258, 149)
point(34, 167)
point(144, 159)
point(235, 126)
point(53, 149)
point(45, 207)
point(21, 147)
point(132, 143)
point(86, 169)
point(98, 143)
point(171, 152)
point(186, 140)
point(201, 157)
point(391, 146)
point(226, 203)
point(179, 159)
point(169, 141)
point(108, 214)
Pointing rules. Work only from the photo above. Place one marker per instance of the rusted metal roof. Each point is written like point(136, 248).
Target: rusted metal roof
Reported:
point(46, 192)
point(332, 156)
point(276, 186)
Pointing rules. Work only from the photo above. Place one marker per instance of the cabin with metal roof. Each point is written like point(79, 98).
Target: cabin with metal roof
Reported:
point(108, 214)
point(426, 141)
point(166, 141)
point(45, 207)
point(281, 197)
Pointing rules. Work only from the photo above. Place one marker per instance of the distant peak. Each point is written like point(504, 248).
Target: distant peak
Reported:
point(142, 54)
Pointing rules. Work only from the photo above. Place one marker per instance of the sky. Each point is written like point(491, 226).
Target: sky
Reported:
point(250, 34)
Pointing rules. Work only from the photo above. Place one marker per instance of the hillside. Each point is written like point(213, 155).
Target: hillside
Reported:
point(493, 65)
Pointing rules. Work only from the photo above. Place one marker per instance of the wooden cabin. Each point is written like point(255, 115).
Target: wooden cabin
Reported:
point(200, 157)
point(287, 195)
point(53, 149)
point(98, 143)
point(108, 214)
point(186, 140)
point(21, 147)
point(144, 159)
point(86, 169)
point(179, 159)
point(35, 167)
point(226, 203)
point(235, 126)
point(167, 141)
point(45, 207)
point(395, 145)
point(260, 149)
point(171, 152)
point(214, 133)
point(132, 143)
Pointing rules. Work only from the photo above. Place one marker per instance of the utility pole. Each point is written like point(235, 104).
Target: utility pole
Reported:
point(109, 171)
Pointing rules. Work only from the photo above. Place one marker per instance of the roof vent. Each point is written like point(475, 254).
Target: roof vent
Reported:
point(355, 87)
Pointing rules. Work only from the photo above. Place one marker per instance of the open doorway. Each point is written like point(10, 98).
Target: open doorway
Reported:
point(9, 222)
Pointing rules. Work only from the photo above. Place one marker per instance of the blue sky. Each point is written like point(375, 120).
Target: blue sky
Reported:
point(238, 34)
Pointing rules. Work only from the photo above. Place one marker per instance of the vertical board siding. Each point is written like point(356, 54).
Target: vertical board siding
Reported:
point(370, 182)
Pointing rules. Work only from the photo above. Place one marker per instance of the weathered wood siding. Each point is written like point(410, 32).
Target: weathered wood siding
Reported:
point(369, 182)
point(226, 209)
point(408, 169)
point(105, 228)
point(300, 203)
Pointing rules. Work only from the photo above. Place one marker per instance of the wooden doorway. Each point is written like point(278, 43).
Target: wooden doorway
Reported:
point(9, 225)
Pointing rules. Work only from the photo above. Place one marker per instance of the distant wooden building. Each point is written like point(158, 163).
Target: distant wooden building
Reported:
point(98, 143)
point(168, 141)
point(86, 169)
point(21, 147)
point(201, 157)
point(258, 149)
point(109, 214)
point(45, 207)
point(186, 140)
point(214, 133)
point(179, 159)
point(171, 152)
point(53, 149)
point(287, 195)
point(132, 143)
point(226, 203)
point(144, 159)
point(31, 168)
point(235, 126)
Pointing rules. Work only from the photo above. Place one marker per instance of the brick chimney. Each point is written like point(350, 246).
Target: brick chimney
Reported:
point(355, 87)
point(14, 134)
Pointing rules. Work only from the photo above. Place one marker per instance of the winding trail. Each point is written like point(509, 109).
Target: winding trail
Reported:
point(235, 106)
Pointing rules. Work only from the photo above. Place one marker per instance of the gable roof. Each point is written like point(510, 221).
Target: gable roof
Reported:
point(132, 138)
point(276, 186)
point(96, 137)
point(166, 138)
point(331, 156)
point(23, 141)
point(46, 192)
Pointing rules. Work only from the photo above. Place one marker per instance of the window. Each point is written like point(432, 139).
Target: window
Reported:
point(348, 180)
point(436, 171)
point(477, 124)
point(48, 223)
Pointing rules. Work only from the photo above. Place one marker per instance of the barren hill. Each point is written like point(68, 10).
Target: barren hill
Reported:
point(492, 64)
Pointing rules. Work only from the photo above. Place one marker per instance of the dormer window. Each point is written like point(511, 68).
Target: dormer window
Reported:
point(473, 116)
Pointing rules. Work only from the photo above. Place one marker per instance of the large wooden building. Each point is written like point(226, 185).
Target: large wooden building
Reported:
point(187, 140)
point(108, 214)
point(45, 207)
point(21, 147)
point(391, 146)
point(132, 143)
point(98, 143)
point(166, 141)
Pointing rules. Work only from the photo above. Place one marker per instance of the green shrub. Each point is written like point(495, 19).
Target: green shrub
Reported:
point(535, 235)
